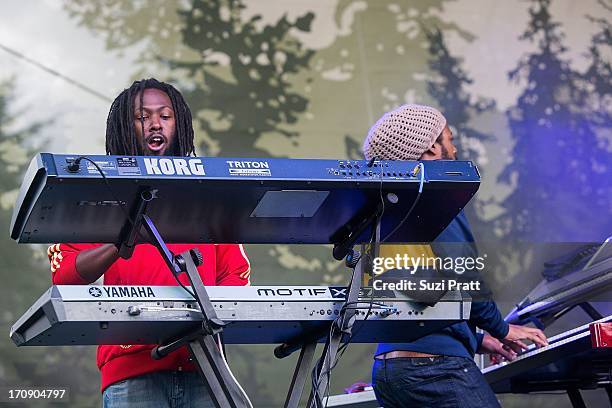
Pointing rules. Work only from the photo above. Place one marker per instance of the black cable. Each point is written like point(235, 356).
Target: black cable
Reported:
point(342, 349)
point(183, 286)
point(547, 392)
point(56, 73)
point(315, 379)
point(314, 376)
point(372, 250)
point(416, 200)
point(74, 166)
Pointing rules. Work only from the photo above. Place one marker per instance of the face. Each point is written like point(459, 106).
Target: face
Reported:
point(155, 124)
point(443, 149)
point(449, 151)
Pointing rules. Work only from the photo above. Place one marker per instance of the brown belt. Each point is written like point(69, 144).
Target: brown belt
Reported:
point(402, 353)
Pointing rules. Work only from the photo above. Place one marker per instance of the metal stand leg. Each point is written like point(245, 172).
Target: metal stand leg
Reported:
point(300, 374)
point(575, 398)
point(225, 391)
point(585, 306)
point(591, 311)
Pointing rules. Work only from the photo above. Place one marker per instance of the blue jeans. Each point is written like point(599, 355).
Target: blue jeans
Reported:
point(165, 389)
point(441, 382)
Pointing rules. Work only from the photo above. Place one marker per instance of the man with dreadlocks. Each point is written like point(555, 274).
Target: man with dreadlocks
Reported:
point(149, 118)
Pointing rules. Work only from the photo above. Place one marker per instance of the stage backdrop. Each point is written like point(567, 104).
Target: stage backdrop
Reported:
point(525, 86)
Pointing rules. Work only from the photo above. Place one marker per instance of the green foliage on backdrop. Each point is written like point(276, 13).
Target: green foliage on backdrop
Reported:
point(26, 274)
point(258, 88)
point(555, 123)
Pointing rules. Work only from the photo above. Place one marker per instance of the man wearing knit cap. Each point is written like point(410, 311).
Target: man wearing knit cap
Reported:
point(438, 369)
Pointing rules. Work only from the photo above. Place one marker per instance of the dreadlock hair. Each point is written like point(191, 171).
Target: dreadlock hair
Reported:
point(120, 134)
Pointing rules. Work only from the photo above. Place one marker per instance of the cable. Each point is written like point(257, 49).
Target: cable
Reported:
point(382, 203)
point(57, 74)
point(547, 393)
point(346, 344)
point(314, 376)
point(230, 371)
point(183, 286)
point(373, 239)
point(372, 246)
point(315, 379)
point(416, 200)
point(342, 349)
point(74, 166)
point(372, 249)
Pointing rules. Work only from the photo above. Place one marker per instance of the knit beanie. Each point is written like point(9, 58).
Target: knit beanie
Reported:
point(404, 133)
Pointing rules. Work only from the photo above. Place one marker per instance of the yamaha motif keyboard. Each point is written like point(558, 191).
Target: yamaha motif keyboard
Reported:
point(82, 315)
point(207, 199)
point(569, 361)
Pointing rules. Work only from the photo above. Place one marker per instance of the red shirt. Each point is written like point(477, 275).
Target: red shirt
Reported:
point(224, 265)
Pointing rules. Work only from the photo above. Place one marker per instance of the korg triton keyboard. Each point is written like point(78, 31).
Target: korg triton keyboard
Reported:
point(221, 200)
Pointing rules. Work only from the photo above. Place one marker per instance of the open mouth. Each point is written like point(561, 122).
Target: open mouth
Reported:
point(156, 142)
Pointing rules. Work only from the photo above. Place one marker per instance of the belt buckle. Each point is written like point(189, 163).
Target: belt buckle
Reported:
point(423, 361)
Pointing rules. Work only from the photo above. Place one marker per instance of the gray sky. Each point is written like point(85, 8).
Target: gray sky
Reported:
point(48, 36)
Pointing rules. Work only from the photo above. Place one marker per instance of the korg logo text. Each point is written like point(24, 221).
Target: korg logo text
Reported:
point(171, 167)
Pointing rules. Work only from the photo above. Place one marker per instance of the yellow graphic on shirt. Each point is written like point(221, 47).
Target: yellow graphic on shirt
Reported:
point(392, 251)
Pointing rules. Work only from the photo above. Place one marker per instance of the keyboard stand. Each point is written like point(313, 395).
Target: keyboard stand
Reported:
point(341, 327)
point(224, 389)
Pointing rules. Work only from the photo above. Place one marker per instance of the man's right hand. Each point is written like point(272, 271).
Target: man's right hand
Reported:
point(517, 334)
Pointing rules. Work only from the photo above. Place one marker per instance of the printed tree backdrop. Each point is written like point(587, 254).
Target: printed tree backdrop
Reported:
point(26, 274)
point(262, 86)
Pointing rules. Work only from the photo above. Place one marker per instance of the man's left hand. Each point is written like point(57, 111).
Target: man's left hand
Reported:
point(496, 349)
point(516, 335)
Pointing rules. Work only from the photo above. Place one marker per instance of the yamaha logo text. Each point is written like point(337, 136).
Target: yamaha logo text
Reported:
point(122, 291)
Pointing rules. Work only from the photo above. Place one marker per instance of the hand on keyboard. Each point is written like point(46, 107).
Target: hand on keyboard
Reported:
point(497, 351)
point(517, 334)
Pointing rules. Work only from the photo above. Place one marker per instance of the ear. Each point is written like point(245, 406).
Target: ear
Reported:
point(434, 152)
